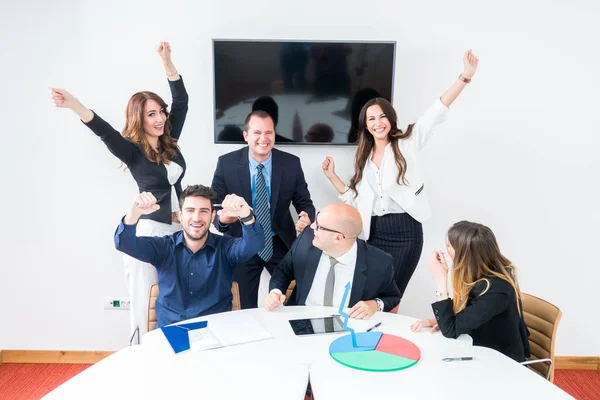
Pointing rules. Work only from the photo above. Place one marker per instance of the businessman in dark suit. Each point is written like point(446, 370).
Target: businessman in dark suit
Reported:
point(328, 256)
point(270, 180)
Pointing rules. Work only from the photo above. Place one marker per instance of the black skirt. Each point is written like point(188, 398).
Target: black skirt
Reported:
point(401, 236)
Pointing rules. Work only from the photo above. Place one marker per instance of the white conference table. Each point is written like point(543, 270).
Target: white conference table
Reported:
point(280, 367)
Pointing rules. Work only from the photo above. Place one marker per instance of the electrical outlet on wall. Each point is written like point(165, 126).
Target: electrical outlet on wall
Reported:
point(117, 303)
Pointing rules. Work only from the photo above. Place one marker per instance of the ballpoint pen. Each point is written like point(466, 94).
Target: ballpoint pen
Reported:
point(457, 359)
point(374, 326)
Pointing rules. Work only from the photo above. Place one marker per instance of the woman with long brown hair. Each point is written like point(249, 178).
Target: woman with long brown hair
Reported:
point(387, 188)
point(148, 148)
point(487, 298)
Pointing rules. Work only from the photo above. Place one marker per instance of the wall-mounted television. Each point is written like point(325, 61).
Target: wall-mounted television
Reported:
point(313, 90)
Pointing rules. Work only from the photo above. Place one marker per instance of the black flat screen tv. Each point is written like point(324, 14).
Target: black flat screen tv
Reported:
point(314, 91)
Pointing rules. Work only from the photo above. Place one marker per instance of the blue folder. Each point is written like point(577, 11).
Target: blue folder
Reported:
point(177, 335)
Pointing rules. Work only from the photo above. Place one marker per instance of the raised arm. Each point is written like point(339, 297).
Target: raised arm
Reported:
point(164, 51)
point(147, 249)
point(116, 143)
point(179, 107)
point(240, 250)
point(470, 67)
point(329, 171)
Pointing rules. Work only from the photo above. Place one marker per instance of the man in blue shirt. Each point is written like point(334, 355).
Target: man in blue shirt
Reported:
point(195, 267)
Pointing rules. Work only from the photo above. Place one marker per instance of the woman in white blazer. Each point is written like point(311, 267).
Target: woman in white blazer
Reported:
point(387, 187)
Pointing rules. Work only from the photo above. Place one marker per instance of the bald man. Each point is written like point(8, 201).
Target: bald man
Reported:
point(325, 258)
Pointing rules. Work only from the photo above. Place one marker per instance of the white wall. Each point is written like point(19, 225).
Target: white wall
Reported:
point(519, 152)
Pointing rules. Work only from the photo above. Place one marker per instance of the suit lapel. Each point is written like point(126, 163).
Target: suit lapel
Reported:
point(244, 175)
point(310, 269)
point(276, 175)
point(360, 270)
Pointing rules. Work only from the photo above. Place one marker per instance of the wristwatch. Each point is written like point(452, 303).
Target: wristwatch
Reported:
point(248, 218)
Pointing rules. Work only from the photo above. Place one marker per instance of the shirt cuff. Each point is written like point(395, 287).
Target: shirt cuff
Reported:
point(380, 304)
point(276, 291)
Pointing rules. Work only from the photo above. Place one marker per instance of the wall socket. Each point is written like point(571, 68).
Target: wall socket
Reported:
point(117, 303)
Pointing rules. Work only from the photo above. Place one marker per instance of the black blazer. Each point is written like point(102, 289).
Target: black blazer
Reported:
point(288, 186)
point(373, 274)
point(149, 176)
point(492, 319)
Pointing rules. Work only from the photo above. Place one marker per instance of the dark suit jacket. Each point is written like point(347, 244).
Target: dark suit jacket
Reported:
point(492, 319)
point(373, 274)
point(288, 186)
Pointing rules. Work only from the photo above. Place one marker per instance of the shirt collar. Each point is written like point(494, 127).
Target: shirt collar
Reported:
point(254, 163)
point(349, 258)
point(210, 240)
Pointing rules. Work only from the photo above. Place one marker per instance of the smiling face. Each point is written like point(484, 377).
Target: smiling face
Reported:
point(196, 216)
point(260, 135)
point(378, 123)
point(154, 118)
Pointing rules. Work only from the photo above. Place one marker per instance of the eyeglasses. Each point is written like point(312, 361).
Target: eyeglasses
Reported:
point(317, 227)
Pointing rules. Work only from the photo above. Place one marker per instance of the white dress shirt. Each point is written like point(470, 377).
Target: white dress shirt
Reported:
point(383, 203)
point(344, 273)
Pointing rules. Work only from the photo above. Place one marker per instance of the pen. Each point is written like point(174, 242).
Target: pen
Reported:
point(457, 359)
point(218, 205)
point(374, 326)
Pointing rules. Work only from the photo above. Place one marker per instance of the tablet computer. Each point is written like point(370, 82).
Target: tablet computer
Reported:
point(317, 326)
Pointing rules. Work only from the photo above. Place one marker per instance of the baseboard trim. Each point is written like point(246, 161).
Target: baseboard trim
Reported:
point(577, 362)
point(53, 356)
point(91, 357)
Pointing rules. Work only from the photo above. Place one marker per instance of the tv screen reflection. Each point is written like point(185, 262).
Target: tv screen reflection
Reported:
point(313, 91)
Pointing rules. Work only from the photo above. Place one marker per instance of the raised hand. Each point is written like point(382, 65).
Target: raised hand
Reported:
point(438, 266)
point(425, 323)
point(303, 221)
point(274, 300)
point(329, 167)
point(64, 99)
point(144, 204)
point(234, 207)
point(470, 62)
point(61, 98)
point(164, 51)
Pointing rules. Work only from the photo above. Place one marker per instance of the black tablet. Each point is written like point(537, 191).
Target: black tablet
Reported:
point(316, 326)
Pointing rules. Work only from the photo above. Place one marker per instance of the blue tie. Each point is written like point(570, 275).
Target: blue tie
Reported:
point(263, 213)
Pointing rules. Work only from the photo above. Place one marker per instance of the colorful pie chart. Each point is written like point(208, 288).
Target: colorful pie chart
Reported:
point(375, 351)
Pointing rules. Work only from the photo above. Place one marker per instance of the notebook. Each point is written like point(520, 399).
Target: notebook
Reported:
point(228, 330)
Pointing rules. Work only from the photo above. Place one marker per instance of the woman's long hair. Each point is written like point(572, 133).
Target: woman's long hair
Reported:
point(366, 142)
point(476, 258)
point(134, 129)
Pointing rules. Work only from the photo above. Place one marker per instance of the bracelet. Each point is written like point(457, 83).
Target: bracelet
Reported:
point(462, 78)
point(440, 294)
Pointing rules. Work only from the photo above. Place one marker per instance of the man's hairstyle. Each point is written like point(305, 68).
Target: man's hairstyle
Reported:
point(198, 191)
point(258, 113)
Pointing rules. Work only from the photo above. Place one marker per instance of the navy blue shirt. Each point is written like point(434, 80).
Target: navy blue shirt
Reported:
point(191, 284)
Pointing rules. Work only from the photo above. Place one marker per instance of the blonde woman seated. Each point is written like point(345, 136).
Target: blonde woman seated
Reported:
point(486, 303)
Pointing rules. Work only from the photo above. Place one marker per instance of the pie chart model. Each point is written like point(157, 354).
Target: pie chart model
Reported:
point(375, 351)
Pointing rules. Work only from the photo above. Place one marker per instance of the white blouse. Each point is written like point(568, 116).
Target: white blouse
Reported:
point(383, 204)
point(174, 171)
